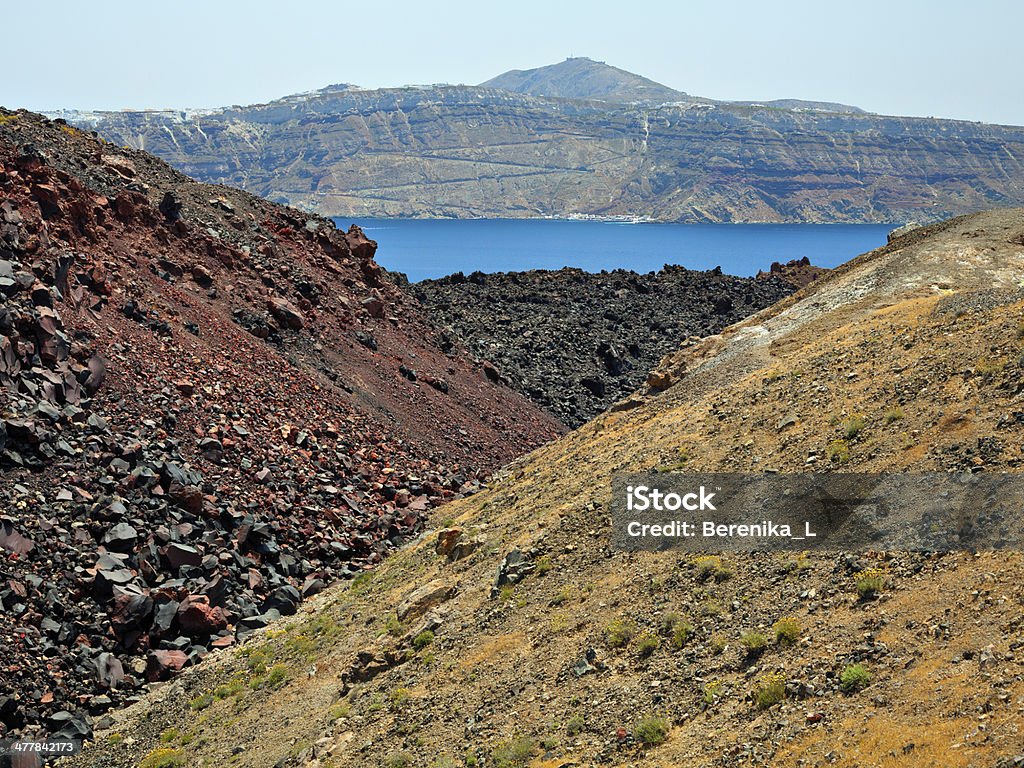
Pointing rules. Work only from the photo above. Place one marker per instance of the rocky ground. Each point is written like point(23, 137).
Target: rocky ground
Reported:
point(510, 633)
point(210, 407)
point(574, 342)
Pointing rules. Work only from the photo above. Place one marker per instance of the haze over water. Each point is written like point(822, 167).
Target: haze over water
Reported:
point(430, 248)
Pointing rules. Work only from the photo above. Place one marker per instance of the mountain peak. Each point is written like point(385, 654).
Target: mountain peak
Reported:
point(580, 77)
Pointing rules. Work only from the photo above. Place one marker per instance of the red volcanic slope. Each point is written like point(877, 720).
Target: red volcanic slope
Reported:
point(209, 404)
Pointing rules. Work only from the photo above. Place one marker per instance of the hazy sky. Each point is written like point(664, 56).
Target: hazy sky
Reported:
point(947, 58)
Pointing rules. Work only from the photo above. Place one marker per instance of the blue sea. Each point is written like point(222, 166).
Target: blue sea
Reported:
point(428, 248)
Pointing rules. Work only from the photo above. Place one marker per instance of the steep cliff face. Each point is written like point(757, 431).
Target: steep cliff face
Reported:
point(472, 151)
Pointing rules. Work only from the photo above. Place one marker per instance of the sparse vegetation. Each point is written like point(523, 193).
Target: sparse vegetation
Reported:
point(234, 687)
point(988, 369)
point(201, 702)
point(339, 711)
point(712, 692)
point(398, 697)
point(399, 760)
point(769, 690)
point(423, 639)
point(799, 564)
point(838, 451)
point(565, 594)
point(544, 565)
point(853, 426)
point(647, 644)
point(787, 630)
point(651, 730)
point(277, 676)
point(854, 677)
point(681, 633)
point(718, 643)
point(618, 633)
point(513, 754)
point(754, 642)
point(892, 415)
point(869, 582)
point(574, 725)
point(163, 757)
point(669, 621)
point(712, 567)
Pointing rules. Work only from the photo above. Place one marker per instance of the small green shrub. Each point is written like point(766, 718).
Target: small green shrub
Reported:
point(513, 754)
point(989, 369)
point(618, 633)
point(423, 639)
point(651, 731)
point(170, 735)
point(232, 688)
point(669, 621)
point(869, 582)
point(564, 596)
point(163, 757)
point(769, 690)
point(393, 626)
point(201, 702)
point(647, 644)
point(712, 567)
point(398, 697)
point(718, 643)
point(277, 676)
point(339, 711)
point(892, 415)
point(574, 725)
point(787, 630)
point(681, 633)
point(853, 678)
point(838, 451)
point(800, 564)
point(544, 565)
point(754, 642)
point(399, 760)
point(712, 692)
point(853, 426)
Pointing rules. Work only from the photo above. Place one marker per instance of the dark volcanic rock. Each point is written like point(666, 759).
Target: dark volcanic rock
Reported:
point(162, 491)
point(575, 342)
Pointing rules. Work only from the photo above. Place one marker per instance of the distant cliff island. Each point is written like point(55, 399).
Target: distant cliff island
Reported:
point(582, 139)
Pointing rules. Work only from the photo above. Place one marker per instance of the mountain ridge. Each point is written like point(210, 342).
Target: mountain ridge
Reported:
point(472, 152)
point(584, 78)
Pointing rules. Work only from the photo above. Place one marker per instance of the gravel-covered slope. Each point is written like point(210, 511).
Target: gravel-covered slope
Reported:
point(210, 407)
